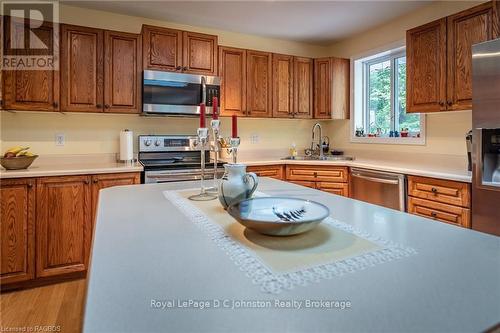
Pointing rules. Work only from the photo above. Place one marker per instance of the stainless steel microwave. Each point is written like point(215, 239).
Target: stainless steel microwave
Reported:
point(179, 94)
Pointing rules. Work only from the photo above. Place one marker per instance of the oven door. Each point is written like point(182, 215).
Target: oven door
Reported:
point(177, 93)
point(181, 175)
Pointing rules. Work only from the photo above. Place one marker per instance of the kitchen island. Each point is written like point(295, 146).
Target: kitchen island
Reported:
point(154, 270)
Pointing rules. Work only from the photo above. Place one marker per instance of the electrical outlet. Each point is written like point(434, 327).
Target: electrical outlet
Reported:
point(60, 139)
point(254, 138)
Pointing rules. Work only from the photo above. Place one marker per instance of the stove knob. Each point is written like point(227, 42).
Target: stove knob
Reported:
point(157, 143)
point(147, 142)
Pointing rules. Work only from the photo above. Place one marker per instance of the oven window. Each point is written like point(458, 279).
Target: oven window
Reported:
point(171, 93)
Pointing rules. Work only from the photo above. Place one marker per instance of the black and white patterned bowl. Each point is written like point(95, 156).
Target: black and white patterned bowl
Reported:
point(279, 216)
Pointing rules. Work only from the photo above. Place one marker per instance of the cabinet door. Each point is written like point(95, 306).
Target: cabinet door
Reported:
point(466, 28)
point(303, 87)
point(322, 88)
point(162, 48)
point(334, 188)
point(35, 90)
point(82, 55)
point(426, 67)
point(17, 218)
point(122, 72)
point(63, 225)
point(109, 180)
point(232, 69)
point(259, 83)
point(340, 88)
point(283, 86)
point(199, 53)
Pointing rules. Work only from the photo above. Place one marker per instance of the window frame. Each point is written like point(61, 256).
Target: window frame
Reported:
point(363, 62)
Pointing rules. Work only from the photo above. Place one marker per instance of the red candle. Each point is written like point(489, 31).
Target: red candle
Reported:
point(202, 115)
point(235, 126)
point(215, 108)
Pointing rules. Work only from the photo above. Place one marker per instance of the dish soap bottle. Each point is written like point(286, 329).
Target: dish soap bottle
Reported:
point(293, 150)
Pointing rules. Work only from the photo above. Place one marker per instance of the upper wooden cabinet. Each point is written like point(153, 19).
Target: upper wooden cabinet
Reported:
point(101, 70)
point(331, 88)
point(439, 59)
point(303, 87)
point(283, 73)
point(82, 69)
point(175, 50)
point(35, 90)
point(233, 72)
point(259, 84)
point(17, 219)
point(63, 225)
point(122, 72)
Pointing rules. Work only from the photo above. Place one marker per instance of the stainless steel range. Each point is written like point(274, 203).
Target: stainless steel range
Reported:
point(173, 158)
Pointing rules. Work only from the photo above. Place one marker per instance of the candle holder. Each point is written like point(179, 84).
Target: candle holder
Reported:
point(234, 144)
point(215, 126)
point(202, 141)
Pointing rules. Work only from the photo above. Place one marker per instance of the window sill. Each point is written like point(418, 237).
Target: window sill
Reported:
point(390, 141)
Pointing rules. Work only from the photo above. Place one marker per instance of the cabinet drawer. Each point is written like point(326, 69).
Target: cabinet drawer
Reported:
point(335, 188)
point(273, 171)
point(315, 173)
point(304, 183)
point(445, 191)
point(439, 211)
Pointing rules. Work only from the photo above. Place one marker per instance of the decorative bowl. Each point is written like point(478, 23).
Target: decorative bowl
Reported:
point(17, 163)
point(279, 216)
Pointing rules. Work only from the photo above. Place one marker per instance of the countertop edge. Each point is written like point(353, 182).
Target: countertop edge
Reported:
point(62, 172)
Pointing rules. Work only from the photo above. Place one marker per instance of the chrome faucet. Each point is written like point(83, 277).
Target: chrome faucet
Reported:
point(320, 144)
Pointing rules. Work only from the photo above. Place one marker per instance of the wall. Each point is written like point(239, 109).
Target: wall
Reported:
point(445, 131)
point(96, 133)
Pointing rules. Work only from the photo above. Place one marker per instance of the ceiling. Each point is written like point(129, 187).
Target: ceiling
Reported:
point(315, 22)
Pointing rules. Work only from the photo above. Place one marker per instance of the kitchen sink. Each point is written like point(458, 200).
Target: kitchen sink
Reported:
point(317, 158)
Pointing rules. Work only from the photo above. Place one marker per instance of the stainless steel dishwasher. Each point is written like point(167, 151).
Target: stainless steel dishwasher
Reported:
point(377, 187)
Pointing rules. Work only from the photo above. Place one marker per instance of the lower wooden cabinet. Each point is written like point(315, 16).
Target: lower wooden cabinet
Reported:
point(17, 224)
point(331, 179)
point(47, 225)
point(334, 188)
point(273, 171)
point(441, 200)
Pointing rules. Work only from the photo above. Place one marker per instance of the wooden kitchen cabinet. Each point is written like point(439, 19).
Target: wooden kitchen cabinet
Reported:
point(32, 90)
point(466, 28)
point(199, 53)
point(17, 224)
point(179, 51)
point(303, 87)
point(439, 59)
point(122, 72)
point(102, 181)
point(283, 79)
point(441, 200)
point(334, 188)
point(233, 72)
point(259, 84)
point(273, 171)
point(331, 88)
point(330, 179)
point(63, 225)
point(162, 48)
point(82, 69)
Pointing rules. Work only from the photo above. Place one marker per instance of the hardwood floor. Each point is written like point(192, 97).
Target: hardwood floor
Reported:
point(54, 305)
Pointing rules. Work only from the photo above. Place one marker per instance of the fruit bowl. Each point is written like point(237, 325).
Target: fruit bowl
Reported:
point(17, 163)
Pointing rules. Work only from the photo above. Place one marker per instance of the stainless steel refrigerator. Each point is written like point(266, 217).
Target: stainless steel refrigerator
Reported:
point(486, 137)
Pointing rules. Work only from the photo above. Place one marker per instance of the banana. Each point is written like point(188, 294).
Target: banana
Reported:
point(23, 153)
point(17, 149)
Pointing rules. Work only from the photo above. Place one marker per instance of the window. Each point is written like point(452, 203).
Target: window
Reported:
point(380, 101)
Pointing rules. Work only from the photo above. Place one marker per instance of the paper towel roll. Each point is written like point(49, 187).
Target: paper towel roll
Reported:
point(126, 145)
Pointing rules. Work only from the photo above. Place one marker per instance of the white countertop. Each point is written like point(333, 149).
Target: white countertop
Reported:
point(451, 167)
point(61, 165)
point(145, 248)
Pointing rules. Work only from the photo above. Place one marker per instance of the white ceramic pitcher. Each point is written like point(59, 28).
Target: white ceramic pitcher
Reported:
point(236, 184)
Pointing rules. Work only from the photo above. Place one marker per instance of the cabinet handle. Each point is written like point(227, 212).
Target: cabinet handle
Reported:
point(55, 105)
point(433, 214)
point(450, 103)
point(106, 106)
point(178, 68)
point(30, 185)
point(184, 68)
point(98, 105)
point(441, 103)
point(86, 182)
point(249, 112)
point(434, 190)
point(95, 181)
point(315, 174)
